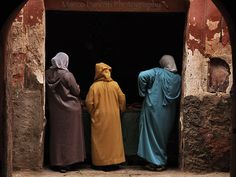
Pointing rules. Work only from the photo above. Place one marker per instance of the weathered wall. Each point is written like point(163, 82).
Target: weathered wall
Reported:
point(206, 138)
point(2, 95)
point(206, 112)
point(5, 115)
point(25, 66)
point(205, 117)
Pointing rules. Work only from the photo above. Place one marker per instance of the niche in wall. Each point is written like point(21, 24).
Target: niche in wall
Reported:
point(219, 72)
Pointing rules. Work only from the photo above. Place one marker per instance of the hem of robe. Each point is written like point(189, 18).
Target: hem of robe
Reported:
point(149, 160)
point(109, 162)
point(68, 163)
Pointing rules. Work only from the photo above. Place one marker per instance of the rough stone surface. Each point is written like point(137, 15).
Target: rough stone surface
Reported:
point(205, 118)
point(27, 131)
point(25, 65)
point(206, 133)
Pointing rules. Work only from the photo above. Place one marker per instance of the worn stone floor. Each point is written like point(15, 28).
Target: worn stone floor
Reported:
point(131, 171)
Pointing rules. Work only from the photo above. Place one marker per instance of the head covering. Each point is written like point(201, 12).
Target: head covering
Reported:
point(61, 60)
point(168, 62)
point(102, 72)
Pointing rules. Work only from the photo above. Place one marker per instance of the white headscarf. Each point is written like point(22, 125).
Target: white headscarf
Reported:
point(61, 60)
point(168, 62)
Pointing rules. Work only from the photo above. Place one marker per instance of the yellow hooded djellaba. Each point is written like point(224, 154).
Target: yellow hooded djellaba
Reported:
point(105, 101)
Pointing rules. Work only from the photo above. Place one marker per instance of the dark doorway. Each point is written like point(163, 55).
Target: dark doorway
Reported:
point(128, 42)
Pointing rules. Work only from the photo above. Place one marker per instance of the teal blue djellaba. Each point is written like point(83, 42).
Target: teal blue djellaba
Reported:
point(161, 89)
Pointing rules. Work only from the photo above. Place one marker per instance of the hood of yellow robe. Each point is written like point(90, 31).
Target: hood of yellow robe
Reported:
point(102, 72)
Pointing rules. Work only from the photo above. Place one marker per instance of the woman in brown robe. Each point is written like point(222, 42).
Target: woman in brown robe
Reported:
point(105, 101)
point(66, 141)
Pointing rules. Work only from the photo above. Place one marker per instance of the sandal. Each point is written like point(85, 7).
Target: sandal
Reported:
point(160, 168)
point(153, 167)
point(150, 167)
point(63, 169)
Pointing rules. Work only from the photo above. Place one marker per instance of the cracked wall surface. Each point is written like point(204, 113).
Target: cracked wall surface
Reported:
point(206, 133)
point(25, 48)
point(205, 115)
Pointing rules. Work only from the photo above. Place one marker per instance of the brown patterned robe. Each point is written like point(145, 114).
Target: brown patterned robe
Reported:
point(65, 118)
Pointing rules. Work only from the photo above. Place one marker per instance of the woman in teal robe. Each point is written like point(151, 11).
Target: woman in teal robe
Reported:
point(160, 88)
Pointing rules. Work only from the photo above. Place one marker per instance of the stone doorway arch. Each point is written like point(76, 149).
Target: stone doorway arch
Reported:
point(29, 83)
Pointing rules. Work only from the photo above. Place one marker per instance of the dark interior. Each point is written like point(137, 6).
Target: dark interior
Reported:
point(128, 42)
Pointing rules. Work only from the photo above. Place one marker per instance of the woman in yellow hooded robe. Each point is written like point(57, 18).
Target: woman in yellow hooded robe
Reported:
point(105, 101)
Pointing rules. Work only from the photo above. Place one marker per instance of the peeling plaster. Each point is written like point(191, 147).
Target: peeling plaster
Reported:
point(216, 49)
point(212, 25)
point(26, 54)
point(193, 38)
point(17, 36)
point(39, 20)
point(193, 73)
point(217, 35)
point(194, 21)
point(20, 16)
point(41, 139)
point(34, 55)
point(39, 75)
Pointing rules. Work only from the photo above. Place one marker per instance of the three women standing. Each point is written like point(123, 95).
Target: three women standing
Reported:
point(105, 102)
